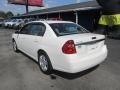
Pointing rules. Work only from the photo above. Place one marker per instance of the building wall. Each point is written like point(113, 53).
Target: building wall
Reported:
point(87, 18)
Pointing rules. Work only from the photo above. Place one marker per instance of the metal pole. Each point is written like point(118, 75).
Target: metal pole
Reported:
point(27, 6)
point(76, 15)
point(47, 17)
point(59, 15)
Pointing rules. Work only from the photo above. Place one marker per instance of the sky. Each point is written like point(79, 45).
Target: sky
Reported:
point(4, 6)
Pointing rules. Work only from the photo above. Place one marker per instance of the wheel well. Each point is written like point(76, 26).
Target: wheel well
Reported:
point(41, 51)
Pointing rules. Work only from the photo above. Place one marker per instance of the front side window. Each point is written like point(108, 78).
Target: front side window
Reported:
point(62, 29)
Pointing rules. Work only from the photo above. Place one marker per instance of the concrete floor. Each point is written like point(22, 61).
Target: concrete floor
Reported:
point(19, 72)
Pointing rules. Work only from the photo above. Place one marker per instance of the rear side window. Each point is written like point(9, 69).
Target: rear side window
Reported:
point(33, 29)
point(37, 29)
point(62, 29)
point(25, 29)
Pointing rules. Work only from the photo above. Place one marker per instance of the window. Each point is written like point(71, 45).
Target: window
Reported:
point(33, 29)
point(67, 28)
point(37, 29)
point(25, 29)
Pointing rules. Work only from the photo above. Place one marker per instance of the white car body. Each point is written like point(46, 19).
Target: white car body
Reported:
point(90, 51)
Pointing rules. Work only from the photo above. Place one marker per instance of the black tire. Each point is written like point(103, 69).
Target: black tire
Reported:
point(48, 64)
point(15, 46)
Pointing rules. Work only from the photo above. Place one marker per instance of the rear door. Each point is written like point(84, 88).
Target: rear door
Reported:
point(34, 38)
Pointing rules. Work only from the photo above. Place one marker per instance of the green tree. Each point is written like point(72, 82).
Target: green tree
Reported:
point(6, 15)
point(9, 14)
point(2, 14)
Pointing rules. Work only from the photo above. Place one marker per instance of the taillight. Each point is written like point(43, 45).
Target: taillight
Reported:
point(69, 47)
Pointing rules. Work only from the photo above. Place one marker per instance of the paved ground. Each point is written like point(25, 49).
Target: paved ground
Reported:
point(18, 72)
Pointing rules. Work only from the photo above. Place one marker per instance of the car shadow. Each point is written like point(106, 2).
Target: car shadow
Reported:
point(71, 76)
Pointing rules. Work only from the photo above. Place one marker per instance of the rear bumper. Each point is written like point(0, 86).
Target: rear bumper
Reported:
point(77, 64)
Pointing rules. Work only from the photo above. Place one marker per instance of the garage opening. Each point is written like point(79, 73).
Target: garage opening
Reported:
point(89, 19)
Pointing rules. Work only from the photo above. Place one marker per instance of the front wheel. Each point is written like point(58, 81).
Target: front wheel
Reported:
point(44, 63)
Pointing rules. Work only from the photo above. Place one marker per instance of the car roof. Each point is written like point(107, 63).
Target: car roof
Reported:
point(52, 21)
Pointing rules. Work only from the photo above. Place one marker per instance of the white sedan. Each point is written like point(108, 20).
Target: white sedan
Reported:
point(60, 45)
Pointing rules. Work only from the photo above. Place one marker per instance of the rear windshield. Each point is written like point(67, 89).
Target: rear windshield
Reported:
point(62, 29)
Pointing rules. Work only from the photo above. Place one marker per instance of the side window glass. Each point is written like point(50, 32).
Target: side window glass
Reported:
point(41, 30)
point(25, 29)
point(37, 29)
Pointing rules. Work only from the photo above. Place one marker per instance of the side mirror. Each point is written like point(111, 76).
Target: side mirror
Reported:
point(17, 32)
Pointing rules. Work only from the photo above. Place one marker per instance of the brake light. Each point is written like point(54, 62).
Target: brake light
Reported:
point(69, 47)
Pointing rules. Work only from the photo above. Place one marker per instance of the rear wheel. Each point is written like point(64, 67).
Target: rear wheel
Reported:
point(44, 63)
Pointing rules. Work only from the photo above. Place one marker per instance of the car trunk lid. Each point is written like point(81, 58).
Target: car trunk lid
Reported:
point(87, 43)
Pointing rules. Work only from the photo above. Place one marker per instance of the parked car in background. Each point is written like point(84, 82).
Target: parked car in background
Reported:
point(1, 23)
point(17, 24)
point(24, 21)
point(60, 45)
point(11, 23)
point(6, 22)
